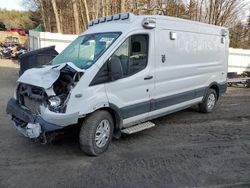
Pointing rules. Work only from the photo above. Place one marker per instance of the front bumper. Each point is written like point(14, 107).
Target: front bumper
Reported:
point(30, 125)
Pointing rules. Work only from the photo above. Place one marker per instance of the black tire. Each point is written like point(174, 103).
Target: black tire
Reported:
point(248, 84)
point(204, 106)
point(88, 133)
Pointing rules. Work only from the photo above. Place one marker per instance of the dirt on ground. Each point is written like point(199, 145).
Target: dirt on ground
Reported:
point(185, 149)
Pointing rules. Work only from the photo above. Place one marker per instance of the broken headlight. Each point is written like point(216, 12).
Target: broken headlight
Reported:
point(55, 102)
point(58, 103)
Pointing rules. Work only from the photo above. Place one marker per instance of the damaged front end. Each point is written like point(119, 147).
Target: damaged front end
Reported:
point(41, 100)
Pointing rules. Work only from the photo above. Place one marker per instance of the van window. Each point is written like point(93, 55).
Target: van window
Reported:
point(133, 54)
point(86, 49)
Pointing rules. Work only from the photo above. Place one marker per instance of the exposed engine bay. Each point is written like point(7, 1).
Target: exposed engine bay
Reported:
point(54, 97)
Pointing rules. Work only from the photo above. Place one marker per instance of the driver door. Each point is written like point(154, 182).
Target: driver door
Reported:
point(131, 93)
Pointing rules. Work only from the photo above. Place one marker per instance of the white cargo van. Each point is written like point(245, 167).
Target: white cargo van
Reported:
point(118, 75)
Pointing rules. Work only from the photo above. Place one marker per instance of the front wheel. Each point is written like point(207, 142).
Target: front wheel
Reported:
point(96, 133)
point(209, 102)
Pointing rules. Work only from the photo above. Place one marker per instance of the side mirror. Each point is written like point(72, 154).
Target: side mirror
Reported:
point(115, 68)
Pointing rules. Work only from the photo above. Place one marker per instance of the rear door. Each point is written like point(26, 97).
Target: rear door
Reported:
point(131, 93)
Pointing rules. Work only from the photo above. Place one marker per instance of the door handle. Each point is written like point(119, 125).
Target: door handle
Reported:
point(163, 58)
point(148, 77)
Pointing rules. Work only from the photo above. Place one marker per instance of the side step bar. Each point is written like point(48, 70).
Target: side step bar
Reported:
point(138, 127)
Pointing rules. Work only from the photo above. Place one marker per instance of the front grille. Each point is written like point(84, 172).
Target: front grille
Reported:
point(32, 105)
point(31, 97)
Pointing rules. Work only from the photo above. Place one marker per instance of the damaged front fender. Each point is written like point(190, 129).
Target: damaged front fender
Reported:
point(62, 119)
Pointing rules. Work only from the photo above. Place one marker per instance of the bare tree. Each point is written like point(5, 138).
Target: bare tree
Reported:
point(43, 15)
point(86, 9)
point(76, 16)
point(58, 23)
point(123, 6)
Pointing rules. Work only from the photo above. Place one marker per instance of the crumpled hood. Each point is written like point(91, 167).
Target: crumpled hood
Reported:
point(46, 76)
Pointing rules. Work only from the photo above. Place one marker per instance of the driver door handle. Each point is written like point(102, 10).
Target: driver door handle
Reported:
point(148, 77)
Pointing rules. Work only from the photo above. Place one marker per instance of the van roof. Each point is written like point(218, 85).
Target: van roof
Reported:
point(128, 21)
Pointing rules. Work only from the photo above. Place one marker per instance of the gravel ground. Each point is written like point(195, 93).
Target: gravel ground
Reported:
point(185, 149)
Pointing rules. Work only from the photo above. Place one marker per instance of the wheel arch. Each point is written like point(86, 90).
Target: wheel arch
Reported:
point(216, 87)
point(117, 117)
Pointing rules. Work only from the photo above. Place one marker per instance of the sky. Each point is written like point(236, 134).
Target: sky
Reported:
point(11, 4)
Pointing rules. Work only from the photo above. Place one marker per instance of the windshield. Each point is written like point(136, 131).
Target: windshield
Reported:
point(85, 50)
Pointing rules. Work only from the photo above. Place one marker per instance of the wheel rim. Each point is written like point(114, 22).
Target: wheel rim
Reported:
point(211, 101)
point(102, 133)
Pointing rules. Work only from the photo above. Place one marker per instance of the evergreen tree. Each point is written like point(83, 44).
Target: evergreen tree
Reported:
point(2, 26)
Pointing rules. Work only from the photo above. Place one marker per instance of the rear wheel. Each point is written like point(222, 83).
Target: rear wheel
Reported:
point(96, 133)
point(248, 84)
point(209, 102)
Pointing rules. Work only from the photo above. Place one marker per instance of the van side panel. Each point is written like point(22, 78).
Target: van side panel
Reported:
point(192, 62)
